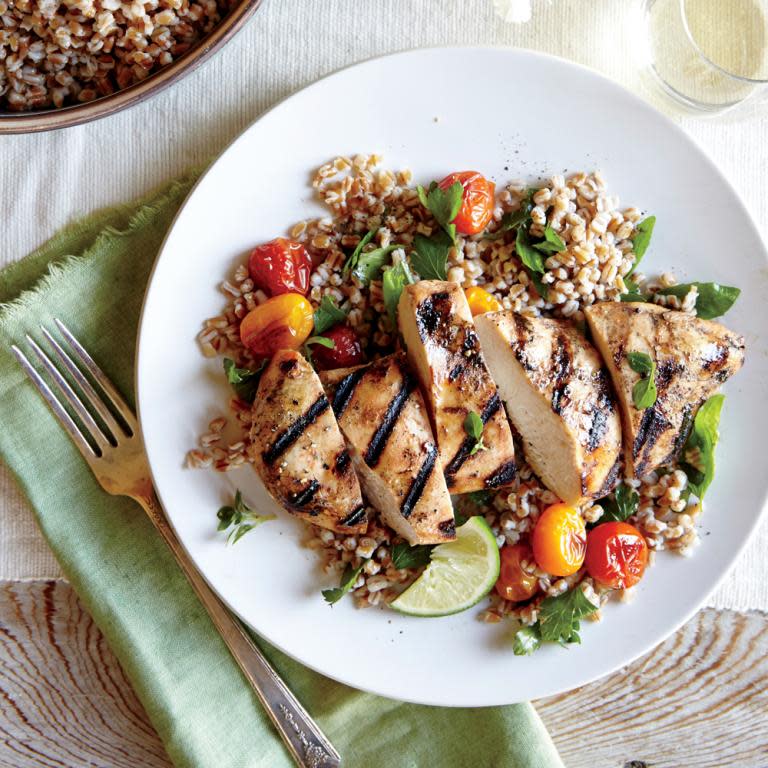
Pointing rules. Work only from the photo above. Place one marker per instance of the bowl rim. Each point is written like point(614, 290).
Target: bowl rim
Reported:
point(77, 114)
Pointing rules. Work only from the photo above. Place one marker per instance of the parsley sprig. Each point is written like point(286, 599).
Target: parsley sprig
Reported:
point(327, 315)
point(644, 392)
point(348, 579)
point(393, 281)
point(240, 518)
point(621, 507)
point(244, 381)
point(473, 426)
point(406, 556)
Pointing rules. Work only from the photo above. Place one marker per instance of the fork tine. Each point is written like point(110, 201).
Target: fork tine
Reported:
point(122, 408)
point(91, 395)
point(70, 396)
point(58, 410)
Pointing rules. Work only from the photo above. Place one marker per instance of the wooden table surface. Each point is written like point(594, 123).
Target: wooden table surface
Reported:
point(699, 699)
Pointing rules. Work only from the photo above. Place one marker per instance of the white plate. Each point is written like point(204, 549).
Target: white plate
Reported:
point(508, 114)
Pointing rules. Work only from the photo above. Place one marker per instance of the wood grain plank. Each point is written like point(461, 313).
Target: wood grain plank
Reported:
point(700, 698)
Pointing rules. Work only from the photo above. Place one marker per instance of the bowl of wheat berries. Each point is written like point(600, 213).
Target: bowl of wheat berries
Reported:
point(64, 63)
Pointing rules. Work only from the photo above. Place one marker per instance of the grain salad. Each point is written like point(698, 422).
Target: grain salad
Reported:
point(544, 249)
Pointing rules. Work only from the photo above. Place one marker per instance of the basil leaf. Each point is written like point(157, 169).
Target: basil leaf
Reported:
point(644, 392)
point(513, 219)
point(632, 296)
point(699, 450)
point(392, 283)
point(559, 616)
point(370, 263)
point(714, 300)
point(323, 341)
point(530, 257)
point(444, 205)
point(552, 243)
point(473, 426)
point(406, 556)
point(430, 255)
point(481, 498)
point(351, 262)
point(328, 314)
point(621, 507)
point(348, 579)
point(244, 381)
point(642, 240)
point(527, 640)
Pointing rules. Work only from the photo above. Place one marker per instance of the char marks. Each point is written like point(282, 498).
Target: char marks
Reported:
point(384, 430)
point(652, 426)
point(345, 390)
point(417, 486)
point(289, 436)
point(491, 407)
point(302, 498)
point(357, 515)
point(561, 371)
point(504, 475)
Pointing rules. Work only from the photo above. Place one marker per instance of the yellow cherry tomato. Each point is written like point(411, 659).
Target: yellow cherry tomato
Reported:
point(480, 301)
point(282, 322)
point(559, 540)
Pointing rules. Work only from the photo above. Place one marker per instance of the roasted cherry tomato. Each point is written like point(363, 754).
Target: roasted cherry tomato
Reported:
point(280, 266)
point(514, 583)
point(559, 540)
point(347, 350)
point(282, 322)
point(616, 555)
point(477, 201)
point(480, 301)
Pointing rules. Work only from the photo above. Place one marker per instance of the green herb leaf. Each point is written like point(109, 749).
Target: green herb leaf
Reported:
point(621, 507)
point(225, 515)
point(328, 314)
point(444, 205)
point(244, 381)
point(351, 262)
point(406, 556)
point(513, 219)
point(527, 640)
point(481, 498)
point(714, 300)
point(552, 243)
point(430, 255)
point(473, 426)
point(633, 296)
point(530, 257)
point(370, 263)
point(323, 341)
point(241, 516)
point(644, 392)
point(392, 283)
point(699, 451)
point(348, 579)
point(559, 616)
point(642, 240)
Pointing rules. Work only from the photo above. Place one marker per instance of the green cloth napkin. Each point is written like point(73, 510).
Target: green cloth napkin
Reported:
point(93, 276)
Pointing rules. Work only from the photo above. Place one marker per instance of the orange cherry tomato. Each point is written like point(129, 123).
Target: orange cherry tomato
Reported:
point(480, 301)
point(616, 555)
point(477, 201)
point(559, 540)
point(280, 266)
point(282, 322)
point(514, 583)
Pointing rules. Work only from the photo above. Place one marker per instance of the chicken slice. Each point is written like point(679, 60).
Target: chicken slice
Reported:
point(559, 398)
point(383, 417)
point(298, 450)
point(444, 350)
point(693, 358)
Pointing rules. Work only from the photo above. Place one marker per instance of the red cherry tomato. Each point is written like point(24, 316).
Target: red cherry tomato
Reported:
point(280, 266)
point(347, 350)
point(514, 583)
point(477, 201)
point(616, 555)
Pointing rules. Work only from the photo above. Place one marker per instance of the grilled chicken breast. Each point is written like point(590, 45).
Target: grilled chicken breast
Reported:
point(444, 350)
point(298, 450)
point(383, 417)
point(559, 399)
point(693, 358)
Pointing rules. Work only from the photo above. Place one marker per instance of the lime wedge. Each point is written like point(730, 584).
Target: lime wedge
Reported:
point(460, 574)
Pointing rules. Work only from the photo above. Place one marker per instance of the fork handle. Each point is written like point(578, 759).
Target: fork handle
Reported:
point(307, 744)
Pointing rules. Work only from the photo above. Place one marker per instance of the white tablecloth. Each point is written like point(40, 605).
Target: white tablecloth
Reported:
point(46, 180)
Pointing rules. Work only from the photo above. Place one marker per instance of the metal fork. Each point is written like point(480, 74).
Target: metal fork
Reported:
point(115, 454)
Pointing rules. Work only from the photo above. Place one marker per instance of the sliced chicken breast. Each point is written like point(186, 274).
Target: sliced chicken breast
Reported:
point(444, 350)
point(558, 397)
point(384, 419)
point(298, 450)
point(693, 358)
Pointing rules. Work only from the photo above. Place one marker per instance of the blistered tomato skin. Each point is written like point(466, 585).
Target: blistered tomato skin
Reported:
point(477, 201)
point(282, 322)
point(480, 301)
point(560, 540)
point(280, 266)
point(347, 350)
point(514, 583)
point(617, 555)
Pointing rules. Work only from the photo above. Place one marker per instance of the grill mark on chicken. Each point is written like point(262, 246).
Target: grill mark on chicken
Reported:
point(666, 370)
point(652, 425)
point(419, 482)
point(610, 479)
point(601, 412)
point(287, 366)
point(502, 476)
point(561, 367)
point(384, 431)
point(456, 371)
point(682, 435)
point(491, 407)
point(716, 363)
point(345, 390)
point(447, 528)
point(302, 498)
point(430, 313)
point(356, 516)
point(521, 330)
point(343, 461)
point(289, 436)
